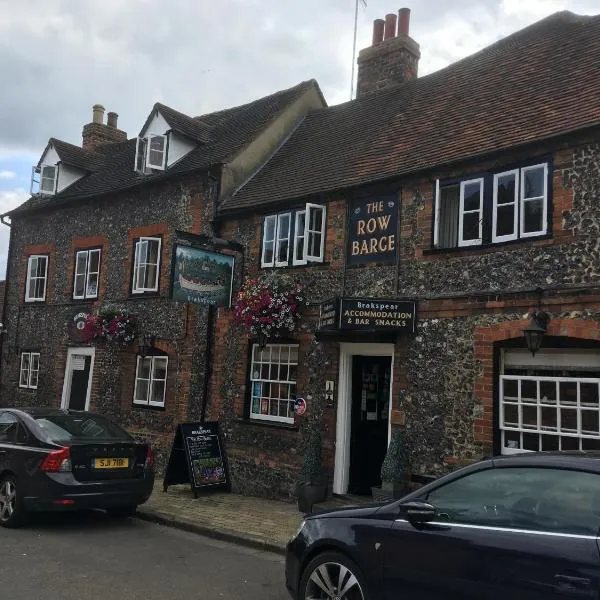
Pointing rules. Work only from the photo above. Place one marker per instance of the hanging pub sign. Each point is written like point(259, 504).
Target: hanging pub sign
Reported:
point(329, 314)
point(198, 458)
point(77, 326)
point(202, 276)
point(373, 232)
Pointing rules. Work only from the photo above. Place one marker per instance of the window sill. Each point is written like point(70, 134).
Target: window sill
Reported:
point(148, 407)
point(268, 424)
point(143, 296)
point(487, 247)
point(310, 265)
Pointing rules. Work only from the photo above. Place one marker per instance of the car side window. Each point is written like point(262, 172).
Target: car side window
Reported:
point(9, 428)
point(537, 499)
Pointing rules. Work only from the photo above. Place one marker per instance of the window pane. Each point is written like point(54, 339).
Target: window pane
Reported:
point(506, 185)
point(549, 419)
point(81, 263)
point(548, 392)
point(158, 391)
point(269, 233)
point(79, 287)
point(533, 216)
point(589, 422)
point(40, 288)
point(529, 417)
point(160, 368)
point(300, 224)
point(314, 244)
point(510, 388)
point(282, 250)
point(505, 224)
point(588, 394)
point(316, 219)
point(92, 286)
point(157, 148)
point(94, 261)
point(529, 390)
point(150, 280)
point(533, 184)
point(141, 154)
point(448, 216)
point(40, 266)
point(268, 252)
point(143, 369)
point(472, 196)
point(511, 415)
point(141, 390)
point(471, 226)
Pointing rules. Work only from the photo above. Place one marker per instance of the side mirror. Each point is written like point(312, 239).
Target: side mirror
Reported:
point(417, 512)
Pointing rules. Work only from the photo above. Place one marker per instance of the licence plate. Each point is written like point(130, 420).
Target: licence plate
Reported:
point(111, 463)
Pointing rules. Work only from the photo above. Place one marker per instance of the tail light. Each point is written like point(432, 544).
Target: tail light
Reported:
point(58, 461)
point(149, 459)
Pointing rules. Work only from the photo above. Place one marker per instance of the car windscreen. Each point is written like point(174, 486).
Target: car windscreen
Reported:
point(80, 428)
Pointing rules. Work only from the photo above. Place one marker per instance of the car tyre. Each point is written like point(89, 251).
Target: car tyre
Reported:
point(121, 512)
point(332, 575)
point(12, 513)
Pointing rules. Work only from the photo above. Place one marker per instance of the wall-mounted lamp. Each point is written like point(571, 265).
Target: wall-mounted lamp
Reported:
point(146, 344)
point(537, 327)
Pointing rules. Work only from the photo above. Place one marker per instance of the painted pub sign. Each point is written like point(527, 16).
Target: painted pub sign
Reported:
point(373, 230)
point(202, 276)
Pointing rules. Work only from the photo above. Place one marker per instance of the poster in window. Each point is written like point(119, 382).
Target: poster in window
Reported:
point(202, 276)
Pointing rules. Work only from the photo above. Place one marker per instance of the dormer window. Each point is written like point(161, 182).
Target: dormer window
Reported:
point(43, 180)
point(151, 153)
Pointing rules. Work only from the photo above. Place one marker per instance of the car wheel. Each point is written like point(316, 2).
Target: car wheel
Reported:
point(121, 512)
point(332, 576)
point(11, 509)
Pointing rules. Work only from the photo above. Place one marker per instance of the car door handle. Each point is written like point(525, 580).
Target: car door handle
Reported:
point(576, 582)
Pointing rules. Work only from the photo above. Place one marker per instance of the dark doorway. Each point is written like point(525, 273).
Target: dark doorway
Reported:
point(370, 413)
point(80, 378)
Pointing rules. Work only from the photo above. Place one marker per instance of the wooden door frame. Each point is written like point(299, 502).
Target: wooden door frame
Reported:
point(68, 377)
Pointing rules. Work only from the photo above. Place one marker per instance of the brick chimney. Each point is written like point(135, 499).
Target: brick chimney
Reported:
point(392, 58)
point(97, 133)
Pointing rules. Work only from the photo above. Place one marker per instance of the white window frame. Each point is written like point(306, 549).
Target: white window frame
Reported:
point(543, 198)
point(30, 278)
point(262, 381)
point(266, 241)
point(462, 212)
point(538, 405)
point(160, 165)
point(511, 236)
point(141, 149)
point(295, 234)
point(150, 389)
point(30, 371)
point(436, 229)
point(86, 274)
point(34, 187)
point(279, 239)
point(138, 264)
point(54, 180)
point(308, 232)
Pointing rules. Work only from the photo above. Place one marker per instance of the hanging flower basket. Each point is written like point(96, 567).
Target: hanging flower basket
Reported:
point(268, 306)
point(114, 325)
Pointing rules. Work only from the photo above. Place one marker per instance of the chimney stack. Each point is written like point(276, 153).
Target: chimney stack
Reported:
point(98, 133)
point(393, 57)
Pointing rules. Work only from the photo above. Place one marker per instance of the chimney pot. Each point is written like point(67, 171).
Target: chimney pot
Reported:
point(111, 120)
point(378, 27)
point(404, 21)
point(390, 26)
point(98, 114)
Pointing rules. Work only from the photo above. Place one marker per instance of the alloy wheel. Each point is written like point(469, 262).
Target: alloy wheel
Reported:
point(8, 500)
point(333, 581)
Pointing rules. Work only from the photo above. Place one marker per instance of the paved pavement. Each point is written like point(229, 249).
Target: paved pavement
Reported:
point(91, 557)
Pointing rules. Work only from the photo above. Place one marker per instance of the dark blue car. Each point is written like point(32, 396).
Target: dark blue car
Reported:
point(521, 527)
point(53, 459)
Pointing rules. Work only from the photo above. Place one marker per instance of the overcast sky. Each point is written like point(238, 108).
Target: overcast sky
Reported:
point(59, 57)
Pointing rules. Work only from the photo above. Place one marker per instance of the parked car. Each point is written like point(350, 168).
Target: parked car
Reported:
point(53, 459)
point(523, 527)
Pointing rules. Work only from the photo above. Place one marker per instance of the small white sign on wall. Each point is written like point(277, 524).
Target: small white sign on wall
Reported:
point(78, 362)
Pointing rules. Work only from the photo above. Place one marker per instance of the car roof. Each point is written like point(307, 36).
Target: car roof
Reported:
point(35, 411)
point(578, 459)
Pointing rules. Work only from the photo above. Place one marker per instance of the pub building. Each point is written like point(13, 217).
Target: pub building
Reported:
point(444, 229)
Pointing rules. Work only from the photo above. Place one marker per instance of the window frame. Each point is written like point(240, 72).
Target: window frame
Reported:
point(296, 232)
point(253, 416)
point(135, 266)
point(150, 389)
point(54, 180)
point(461, 213)
point(516, 201)
point(29, 370)
point(87, 273)
point(544, 199)
point(160, 166)
point(28, 277)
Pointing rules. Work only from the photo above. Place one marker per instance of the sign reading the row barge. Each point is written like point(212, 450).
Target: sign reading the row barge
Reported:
point(201, 276)
point(373, 230)
point(373, 315)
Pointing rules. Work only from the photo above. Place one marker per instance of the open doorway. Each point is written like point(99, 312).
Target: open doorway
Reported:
point(78, 378)
point(370, 397)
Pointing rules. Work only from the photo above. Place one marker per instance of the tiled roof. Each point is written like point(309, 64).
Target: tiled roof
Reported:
point(540, 82)
point(230, 131)
point(76, 156)
point(190, 127)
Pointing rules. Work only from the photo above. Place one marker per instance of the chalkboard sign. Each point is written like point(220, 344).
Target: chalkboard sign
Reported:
point(198, 458)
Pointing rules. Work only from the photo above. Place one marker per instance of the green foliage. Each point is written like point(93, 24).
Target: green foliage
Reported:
point(312, 469)
point(395, 463)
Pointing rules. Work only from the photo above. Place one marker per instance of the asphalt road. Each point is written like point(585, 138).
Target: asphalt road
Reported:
point(91, 557)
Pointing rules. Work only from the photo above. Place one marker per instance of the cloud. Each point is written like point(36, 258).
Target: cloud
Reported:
point(9, 199)
point(7, 174)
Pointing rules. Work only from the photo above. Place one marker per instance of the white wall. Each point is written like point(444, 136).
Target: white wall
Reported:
point(67, 176)
point(49, 158)
point(158, 126)
point(178, 148)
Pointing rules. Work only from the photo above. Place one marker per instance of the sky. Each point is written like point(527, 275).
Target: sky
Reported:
point(59, 57)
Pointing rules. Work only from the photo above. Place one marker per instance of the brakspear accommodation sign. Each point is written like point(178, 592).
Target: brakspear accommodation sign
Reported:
point(202, 276)
point(373, 231)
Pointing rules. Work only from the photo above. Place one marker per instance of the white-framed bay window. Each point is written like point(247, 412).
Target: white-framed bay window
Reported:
point(146, 265)
point(37, 278)
point(273, 382)
point(29, 370)
point(151, 381)
point(294, 237)
point(87, 273)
